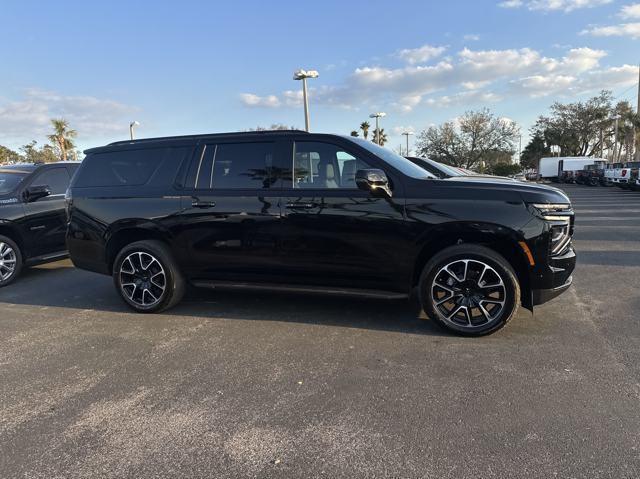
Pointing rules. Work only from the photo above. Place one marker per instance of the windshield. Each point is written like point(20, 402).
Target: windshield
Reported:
point(10, 179)
point(400, 163)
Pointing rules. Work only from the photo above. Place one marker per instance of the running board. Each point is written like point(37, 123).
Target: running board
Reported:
point(46, 258)
point(289, 288)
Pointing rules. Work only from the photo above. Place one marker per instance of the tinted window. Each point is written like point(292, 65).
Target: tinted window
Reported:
point(10, 179)
point(235, 166)
point(324, 165)
point(57, 179)
point(122, 168)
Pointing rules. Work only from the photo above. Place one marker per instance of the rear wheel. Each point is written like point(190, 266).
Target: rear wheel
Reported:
point(147, 277)
point(469, 289)
point(10, 261)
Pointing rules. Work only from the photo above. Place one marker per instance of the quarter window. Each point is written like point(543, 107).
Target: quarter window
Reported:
point(324, 165)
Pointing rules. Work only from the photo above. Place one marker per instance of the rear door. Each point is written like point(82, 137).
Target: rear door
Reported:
point(230, 223)
point(334, 233)
point(45, 222)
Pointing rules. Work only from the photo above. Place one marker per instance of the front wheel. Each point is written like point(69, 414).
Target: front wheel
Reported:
point(147, 277)
point(10, 261)
point(470, 290)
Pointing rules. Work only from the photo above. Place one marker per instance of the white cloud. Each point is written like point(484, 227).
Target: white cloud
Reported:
point(468, 77)
point(421, 55)
point(470, 37)
point(553, 5)
point(30, 116)
point(253, 100)
point(630, 11)
point(621, 30)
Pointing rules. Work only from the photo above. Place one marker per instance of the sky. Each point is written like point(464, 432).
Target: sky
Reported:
point(192, 67)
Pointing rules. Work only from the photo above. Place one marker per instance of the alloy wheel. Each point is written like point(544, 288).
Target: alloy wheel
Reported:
point(468, 294)
point(142, 279)
point(8, 261)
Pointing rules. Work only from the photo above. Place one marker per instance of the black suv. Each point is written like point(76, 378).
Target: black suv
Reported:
point(296, 211)
point(32, 215)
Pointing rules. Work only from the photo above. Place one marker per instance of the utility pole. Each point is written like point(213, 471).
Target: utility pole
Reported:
point(615, 133)
point(407, 133)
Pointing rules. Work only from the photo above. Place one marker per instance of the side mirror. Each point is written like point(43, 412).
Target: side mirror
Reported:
point(373, 180)
point(34, 193)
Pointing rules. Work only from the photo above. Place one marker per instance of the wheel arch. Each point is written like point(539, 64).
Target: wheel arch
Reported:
point(122, 234)
point(502, 240)
point(11, 231)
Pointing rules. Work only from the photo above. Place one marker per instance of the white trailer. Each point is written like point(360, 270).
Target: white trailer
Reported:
point(550, 166)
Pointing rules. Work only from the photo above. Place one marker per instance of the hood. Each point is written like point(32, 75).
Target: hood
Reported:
point(529, 192)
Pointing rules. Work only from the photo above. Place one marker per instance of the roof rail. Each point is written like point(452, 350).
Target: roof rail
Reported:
point(205, 135)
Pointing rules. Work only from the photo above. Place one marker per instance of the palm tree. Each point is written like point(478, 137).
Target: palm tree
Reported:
point(62, 137)
point(383, 137)
point(364, 126)
point(355, 133)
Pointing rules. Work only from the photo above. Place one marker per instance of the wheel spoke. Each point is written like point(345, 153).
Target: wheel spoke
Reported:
point(142, 279)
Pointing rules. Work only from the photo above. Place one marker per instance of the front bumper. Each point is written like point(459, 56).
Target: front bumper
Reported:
point(541, 296)
point(557, 278)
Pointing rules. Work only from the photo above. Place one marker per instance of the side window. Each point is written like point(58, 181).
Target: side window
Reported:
point(324, 165)
point(57, 179)
point(122, 168)
point(235, 166)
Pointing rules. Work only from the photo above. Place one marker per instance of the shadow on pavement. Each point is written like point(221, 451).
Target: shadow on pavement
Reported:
point(60, 285)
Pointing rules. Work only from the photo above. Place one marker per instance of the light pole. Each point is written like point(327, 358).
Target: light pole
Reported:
point(303, 75)
point(132, 125)
point(377, 116)
point(407, 133)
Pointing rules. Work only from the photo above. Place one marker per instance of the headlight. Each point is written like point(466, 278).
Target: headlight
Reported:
point(560, 218)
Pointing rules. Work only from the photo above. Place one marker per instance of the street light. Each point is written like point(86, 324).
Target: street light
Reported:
point(132, 125)
point(407, 133)
point(377, 116)
point(303, 75)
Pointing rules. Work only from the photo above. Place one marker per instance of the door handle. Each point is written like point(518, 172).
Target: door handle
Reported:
point(196, 203)
point(301, 206)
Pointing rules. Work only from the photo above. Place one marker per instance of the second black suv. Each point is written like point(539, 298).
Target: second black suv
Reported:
point(32, 215)
point(296, 211)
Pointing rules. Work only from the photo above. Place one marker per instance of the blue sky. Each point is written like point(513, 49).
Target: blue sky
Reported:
point(195, 67)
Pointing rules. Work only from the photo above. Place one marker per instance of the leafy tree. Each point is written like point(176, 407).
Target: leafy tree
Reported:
point(536, 149)
point(8, 156)
point(62, 137)
point(274, 126)
point(479, 138)
point(364, 126)
point(380, 138)
point(33, 154)
point(354, 133)
point(505, 169)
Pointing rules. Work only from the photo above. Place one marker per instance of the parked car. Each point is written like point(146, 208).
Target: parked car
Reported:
point(437, 169)
point(32, 215)
point(592, 175)
point(295, 211)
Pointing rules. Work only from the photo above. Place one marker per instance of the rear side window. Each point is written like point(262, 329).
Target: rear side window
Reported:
point(122, 168)
point(234, 166)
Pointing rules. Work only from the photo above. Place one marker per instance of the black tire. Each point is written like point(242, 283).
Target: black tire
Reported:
point(487, 298)
point(12, 256)
point(145, 276)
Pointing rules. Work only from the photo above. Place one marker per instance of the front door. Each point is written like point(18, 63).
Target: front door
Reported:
point(334, 233)
point(231, 214)
point(45, 222)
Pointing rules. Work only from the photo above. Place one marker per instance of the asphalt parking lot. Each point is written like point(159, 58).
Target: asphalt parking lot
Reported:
point(270, 385)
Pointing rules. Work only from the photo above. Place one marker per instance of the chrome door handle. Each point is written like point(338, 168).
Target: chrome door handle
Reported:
point(196, 203)
point(301, 206)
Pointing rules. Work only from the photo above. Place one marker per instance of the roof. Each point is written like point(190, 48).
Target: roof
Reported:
point(162, 139)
